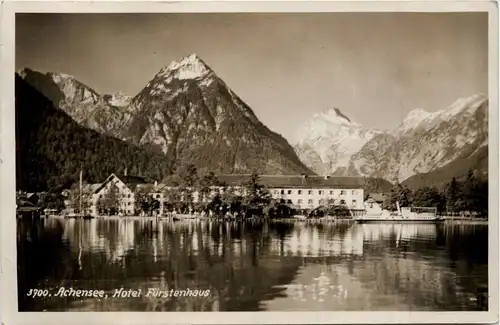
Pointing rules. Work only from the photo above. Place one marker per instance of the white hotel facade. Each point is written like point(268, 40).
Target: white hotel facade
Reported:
point(303, 192)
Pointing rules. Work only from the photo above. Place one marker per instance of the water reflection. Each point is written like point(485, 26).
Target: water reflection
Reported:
point(255, 265)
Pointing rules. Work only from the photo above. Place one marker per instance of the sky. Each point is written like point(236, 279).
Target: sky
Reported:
point(374, 67)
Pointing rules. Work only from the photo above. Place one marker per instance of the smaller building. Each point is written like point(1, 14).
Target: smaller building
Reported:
point(25, 208)
point(125, 190)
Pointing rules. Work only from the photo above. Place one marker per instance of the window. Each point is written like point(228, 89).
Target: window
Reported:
point(353, 192)
point(299, 191)
point(157, 196)
point(128, 203)
point(331, 192)
point(282, 191)
point(289, 201)
point(299, 201)
point(310, 201)
point(343, 192)
point(310, 192)
point(320, 192)
point(342, 201)
point(289, 191)
point(321, 201)
point(276, 192)
point(353, 202)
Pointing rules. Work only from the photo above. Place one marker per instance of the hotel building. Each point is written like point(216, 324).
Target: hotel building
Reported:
point(302, 192)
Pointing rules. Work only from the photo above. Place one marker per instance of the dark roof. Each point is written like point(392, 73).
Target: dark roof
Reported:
point(378, 197)
point(295, 181)
point(23, 204)
point(135, 180)
point(130, 181)
point(27, 209)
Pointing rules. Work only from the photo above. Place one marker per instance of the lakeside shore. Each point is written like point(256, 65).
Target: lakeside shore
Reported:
point(328, 219)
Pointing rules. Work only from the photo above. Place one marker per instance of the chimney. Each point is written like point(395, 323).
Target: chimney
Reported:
point(156, 183)
point(125, 173)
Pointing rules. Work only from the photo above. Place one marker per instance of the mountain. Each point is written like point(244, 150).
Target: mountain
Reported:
point(103, 114)
point(427, 142)
point(51, 147)
point(190, 114)
point(185, 112)
point(458, 168)
point(328, 139)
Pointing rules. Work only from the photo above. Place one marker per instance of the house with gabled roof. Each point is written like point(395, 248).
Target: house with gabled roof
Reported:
point(126, 187)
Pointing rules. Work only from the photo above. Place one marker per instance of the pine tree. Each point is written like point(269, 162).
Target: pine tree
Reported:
point(452, 192)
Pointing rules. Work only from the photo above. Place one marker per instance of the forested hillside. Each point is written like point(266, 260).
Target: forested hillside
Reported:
point(51, 148)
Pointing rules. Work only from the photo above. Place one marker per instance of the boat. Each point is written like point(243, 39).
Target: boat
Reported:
point(374, 213)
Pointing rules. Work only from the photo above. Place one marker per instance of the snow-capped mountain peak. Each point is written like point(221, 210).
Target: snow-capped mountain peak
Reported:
point(118, 99)
point(327, 140)
point(412, 120)
point(419, 118)
point(468, 104)
point(189, 67)
point(335, 116)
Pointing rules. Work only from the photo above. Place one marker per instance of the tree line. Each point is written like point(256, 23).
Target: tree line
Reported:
point(469, 196)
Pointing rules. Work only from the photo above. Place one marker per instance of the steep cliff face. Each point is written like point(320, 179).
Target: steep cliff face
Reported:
point(103, 114)
point(186, 112)
point(190, 114)
point(428, 141)
point(327, 141)
point(424, 142)
point(51, 148)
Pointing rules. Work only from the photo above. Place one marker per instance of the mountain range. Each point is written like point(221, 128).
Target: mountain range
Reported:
point(443, 144)
point(188, 114)
point(185, 112)
point(52, 149)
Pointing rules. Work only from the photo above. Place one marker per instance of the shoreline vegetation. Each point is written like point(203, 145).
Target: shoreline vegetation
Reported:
point(460, 200)
point(255, 218)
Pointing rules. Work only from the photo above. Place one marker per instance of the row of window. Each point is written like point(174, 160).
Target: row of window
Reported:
point(311, 192)
point(321, 201)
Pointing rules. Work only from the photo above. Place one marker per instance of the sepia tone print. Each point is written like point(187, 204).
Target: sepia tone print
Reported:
point(252, 162)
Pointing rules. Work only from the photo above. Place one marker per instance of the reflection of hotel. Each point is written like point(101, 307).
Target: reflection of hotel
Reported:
point(302, 241)
point(314, 242)
point(114, 239)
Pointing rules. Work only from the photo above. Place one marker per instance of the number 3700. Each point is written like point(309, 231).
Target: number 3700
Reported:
point(38, 293)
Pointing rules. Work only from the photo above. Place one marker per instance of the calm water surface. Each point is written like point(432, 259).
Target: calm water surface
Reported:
point(251, 266)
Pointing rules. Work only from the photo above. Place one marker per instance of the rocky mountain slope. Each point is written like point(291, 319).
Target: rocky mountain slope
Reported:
point(103, 114)
point(327, 141)
point(51, 147)
point(190, 114)
point(186, 112)
point(424, 142)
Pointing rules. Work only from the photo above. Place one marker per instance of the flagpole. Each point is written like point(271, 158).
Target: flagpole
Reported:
point(81, 176)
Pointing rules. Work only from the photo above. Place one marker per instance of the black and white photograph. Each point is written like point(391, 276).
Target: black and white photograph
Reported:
point(253, 162)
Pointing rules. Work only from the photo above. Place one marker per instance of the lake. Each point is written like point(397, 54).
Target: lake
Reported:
point(253, 265)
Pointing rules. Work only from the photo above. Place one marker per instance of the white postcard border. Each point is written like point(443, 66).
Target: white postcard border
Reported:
point(8, 297)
